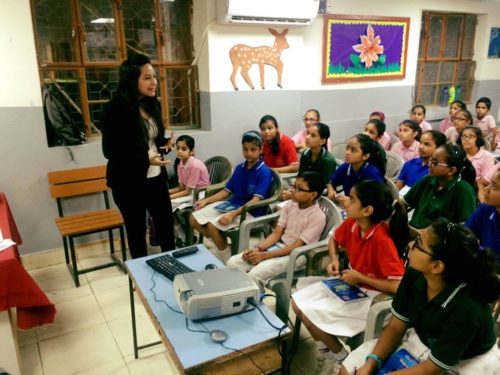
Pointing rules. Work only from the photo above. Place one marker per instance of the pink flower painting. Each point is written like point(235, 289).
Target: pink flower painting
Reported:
point(370, 47)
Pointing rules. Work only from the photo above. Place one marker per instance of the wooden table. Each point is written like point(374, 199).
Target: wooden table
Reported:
point(251, 338)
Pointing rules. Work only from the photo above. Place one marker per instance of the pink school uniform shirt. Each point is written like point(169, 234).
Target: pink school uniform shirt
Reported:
point(407, 153)
point(193, 173)
point(425, 126)
point(445, 124)
point(483, 161)
point(385, 141)
point(300, 139)
point(489, 175)
point(451, 135)
point(486, 124)
point(306, 224)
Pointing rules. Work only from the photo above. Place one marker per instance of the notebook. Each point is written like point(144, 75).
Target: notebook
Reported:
point(226, 206)
point(340, 289)
point(399, 360)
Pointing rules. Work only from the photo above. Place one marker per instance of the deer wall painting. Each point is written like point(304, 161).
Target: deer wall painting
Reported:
point(243, 56)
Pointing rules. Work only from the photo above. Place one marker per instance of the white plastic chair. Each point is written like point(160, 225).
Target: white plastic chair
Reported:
point(394, 164)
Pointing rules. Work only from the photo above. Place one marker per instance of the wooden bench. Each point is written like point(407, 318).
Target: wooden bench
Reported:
point(81, 182)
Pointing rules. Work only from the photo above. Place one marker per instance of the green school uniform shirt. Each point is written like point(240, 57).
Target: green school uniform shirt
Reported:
point(325, 164)
point(456, 201)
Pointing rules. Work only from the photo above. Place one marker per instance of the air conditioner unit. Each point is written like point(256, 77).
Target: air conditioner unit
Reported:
point(274, 12)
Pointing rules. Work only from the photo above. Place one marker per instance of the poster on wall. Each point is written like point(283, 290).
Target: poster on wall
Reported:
point(360, 48)
point(494, 46)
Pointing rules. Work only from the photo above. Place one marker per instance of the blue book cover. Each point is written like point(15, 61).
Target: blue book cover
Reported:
point(399, 360)
point(344, 291)
point(226, 206)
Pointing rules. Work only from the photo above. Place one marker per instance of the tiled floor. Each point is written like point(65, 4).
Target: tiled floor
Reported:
point(92, 331)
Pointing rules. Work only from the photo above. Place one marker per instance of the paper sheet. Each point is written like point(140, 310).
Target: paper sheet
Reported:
point(5, 244)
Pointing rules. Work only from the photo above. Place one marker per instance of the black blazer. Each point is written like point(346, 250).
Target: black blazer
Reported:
point(124, 142)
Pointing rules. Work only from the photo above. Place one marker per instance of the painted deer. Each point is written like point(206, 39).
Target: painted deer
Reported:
point(245, 56)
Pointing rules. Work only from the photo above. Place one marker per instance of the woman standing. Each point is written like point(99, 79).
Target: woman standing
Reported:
point(133, 142)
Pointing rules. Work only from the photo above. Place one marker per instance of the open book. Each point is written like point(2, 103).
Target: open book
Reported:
point(340, 289)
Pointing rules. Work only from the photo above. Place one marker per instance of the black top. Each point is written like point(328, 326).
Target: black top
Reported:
point(125, 141)
point(453, 325)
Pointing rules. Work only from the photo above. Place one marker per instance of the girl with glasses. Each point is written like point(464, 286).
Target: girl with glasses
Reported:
point(460, 120)
point(447, 122)
point(448, 191)
point(445, 296)
point(374, 235)
point(471, 139)
point(311, 117)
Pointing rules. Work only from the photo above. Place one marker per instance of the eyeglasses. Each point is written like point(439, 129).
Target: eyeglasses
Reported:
point(417, 244)
point(468, 137)
point(435, 163)
point(310, 119)
point(298, 189)
point(459, 119)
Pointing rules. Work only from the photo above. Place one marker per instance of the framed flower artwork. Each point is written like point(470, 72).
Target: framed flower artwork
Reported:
point(360, 48)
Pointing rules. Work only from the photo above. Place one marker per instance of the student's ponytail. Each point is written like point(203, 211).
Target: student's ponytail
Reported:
point(385, 208)
point(464, 260)
point(368, 147)
point(398, 227)
point(456, 157)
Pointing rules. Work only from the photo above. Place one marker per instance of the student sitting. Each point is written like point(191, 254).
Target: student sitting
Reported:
point(278, 151)
point(460, 120)
point(409, 135)
point(316, 157)
point(417, 114)
point(301, 222)
point(444, 296)
point(383, 137)
point(373, 248)
point(375, 129)
point(415, 169)
point(363, 162)
point(484, 120)
point(447, 122)
point(249, 183)
point(485, 221)
point(448, 190)
point(311, 117)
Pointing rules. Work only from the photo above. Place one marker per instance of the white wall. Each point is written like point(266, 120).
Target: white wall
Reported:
point(19, 81)
point(302, 61)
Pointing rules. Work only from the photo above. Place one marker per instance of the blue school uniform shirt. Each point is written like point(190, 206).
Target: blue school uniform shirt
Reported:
point(413, 171)
point(245, 183)
point(484, 222)
point(347, 177)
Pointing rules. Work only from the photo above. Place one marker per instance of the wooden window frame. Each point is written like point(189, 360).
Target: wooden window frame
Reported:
point(423, 57)
point(82, 64)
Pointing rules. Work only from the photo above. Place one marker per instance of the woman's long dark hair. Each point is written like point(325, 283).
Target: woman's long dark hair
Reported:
point(464, 260)
point(368, 147)
point(275, 142)
point(378, 195)
point(129, 73)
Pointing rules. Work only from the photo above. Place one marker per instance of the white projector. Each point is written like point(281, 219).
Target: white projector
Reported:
point(212, 293)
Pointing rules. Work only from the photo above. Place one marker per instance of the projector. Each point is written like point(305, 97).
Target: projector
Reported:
point(213, 293)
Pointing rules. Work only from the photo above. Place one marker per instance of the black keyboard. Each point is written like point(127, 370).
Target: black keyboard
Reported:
point(168, 266)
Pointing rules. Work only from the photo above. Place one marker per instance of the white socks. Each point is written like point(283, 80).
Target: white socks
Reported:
point(327, 353)
point(225, 254)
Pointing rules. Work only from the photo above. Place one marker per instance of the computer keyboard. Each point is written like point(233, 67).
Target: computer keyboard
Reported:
point(168, 266)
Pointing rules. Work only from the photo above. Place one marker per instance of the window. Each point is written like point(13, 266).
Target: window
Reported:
point(81, 43)
point(445, 56)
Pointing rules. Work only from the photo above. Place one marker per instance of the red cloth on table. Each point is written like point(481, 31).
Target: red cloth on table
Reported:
point(17, 288)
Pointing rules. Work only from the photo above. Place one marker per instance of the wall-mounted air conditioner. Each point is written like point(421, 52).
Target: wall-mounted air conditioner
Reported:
point(281, 12)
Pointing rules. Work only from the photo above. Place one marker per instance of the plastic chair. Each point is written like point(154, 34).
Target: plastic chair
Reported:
point(338, 151)
point(394, 164)
point(487, 144)
point(394, 139)
point(392, 187)
point(282, 284)
point(219, 170)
